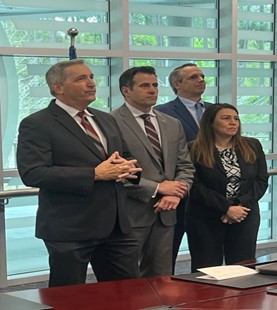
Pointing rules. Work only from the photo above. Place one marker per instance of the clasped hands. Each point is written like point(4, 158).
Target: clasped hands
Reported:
point(173, 192)
point(235, 214)
point(117, 168)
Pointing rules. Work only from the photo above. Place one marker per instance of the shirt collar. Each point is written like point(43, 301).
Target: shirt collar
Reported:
point(189, 103)
point(70, 110)
point(137, 113)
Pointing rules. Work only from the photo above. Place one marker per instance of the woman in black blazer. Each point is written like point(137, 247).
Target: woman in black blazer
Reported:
point(222, 213)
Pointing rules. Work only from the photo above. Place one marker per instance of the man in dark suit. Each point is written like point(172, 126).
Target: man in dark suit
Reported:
point(188, 83)
point(81, 215)
point(167, 170)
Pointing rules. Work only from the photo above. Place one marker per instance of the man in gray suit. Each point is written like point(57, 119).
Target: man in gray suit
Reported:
point(161, 150)
point(188, 83)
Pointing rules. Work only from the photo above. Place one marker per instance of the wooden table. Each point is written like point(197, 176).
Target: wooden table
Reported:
point(143, 293)
point(269, 258)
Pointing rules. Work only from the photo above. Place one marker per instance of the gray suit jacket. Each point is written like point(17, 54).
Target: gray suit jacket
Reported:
point(177, 164)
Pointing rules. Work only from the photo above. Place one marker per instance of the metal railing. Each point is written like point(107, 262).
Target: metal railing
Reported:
point(5, 195)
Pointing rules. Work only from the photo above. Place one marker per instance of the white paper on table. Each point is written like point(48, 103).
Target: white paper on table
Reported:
point(225, 272)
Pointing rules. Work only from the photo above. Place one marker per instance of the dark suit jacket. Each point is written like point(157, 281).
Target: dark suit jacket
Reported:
point(177, 109)
point(177, 164)
point(208, 193)
point(55, 155)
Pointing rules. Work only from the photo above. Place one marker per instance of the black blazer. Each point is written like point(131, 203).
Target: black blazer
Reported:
point(177, 109)
point(55, 155)
point(208, 193)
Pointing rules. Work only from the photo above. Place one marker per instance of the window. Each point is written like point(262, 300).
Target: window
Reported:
point(232, 41)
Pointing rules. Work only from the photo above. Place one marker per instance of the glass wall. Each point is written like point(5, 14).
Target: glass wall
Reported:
point(232, 41)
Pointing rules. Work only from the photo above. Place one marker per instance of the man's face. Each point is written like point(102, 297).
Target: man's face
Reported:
point(192, 85)
point(144, 93)
point(79, 89)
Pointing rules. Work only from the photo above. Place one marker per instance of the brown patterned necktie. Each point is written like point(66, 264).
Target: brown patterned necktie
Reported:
point(92, 133)
point(152, 135)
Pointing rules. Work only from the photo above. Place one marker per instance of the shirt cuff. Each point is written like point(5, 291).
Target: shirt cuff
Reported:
point(156, 191)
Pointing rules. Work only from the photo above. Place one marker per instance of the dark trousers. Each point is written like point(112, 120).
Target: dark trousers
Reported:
point(179, 231)
point(112, 258)
point(211, 242)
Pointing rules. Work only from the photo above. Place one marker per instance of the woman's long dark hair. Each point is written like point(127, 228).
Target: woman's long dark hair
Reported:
point(203, 148)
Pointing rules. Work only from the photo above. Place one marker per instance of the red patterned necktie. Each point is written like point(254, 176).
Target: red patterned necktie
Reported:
point(92, 133)
point(152, 135)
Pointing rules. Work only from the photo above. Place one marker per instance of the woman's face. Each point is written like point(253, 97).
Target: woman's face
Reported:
point(226, 123)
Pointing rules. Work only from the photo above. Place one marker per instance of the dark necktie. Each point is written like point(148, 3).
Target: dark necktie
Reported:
point(199, 110)
point(152, 135)
point(92, 133)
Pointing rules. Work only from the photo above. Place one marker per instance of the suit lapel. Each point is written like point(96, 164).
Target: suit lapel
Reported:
point(218, 163)
point(164, 136)
point(131, 122)
point(70, 124)
point(99, 121)
point(184, 114)
point(242, 164)
point(207, 104)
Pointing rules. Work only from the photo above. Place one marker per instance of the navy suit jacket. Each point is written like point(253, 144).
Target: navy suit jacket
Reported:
point(55, 155)
point(177, 109)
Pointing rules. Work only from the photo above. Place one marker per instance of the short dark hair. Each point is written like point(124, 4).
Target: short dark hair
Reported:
point(127, 77)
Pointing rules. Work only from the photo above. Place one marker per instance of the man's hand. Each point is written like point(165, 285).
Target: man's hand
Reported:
point(116, 168)
point(173, 188)
point(166, 203)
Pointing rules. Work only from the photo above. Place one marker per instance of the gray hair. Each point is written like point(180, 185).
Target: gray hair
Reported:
point(56, 74)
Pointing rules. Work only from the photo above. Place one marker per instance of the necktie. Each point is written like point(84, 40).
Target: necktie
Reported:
point(152, 136)
point(92, 133)
point(199, 110)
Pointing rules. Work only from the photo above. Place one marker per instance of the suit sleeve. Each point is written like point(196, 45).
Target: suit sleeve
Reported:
point(207, 197)
point(126, 152)
point(184, 168)
point(260, 182)
point(36, 167)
